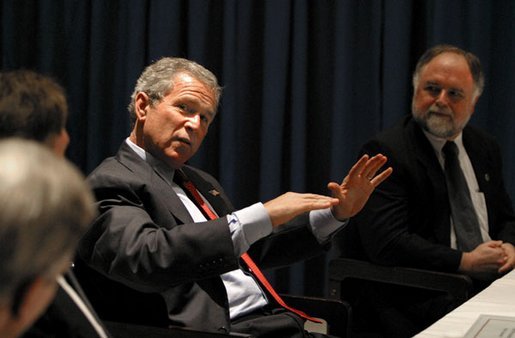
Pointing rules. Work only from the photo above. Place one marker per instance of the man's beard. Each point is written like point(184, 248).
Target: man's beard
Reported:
point(443, 126)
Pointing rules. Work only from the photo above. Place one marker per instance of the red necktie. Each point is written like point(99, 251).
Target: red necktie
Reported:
point(190, 187)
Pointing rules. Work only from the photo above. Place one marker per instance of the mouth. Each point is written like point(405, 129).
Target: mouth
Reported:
point(183, 140)
point(439, 113)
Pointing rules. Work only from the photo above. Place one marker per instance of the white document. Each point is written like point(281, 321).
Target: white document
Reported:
point(490, 326)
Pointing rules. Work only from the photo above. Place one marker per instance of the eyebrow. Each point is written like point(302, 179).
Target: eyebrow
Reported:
point(433, 83)
point(195, 102)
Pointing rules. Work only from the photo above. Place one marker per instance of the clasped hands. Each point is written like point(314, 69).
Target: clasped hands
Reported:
point(489, 257)
point(346, 199)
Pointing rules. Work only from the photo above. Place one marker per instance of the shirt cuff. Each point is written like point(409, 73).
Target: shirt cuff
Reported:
point(249, 225)
point(324, 225)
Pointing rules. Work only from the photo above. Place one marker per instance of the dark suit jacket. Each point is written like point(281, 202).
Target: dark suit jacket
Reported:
point(64, 319)
point(145, 261)
point(406, 222)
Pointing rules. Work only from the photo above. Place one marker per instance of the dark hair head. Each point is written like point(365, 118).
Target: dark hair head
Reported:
point(32, 106)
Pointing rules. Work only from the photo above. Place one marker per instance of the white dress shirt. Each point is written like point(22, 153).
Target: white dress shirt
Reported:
point(478, 198)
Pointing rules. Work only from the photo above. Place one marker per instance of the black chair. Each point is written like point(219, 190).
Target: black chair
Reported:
point(346, 274)
point(335, 312)
point(126, 330)
point(342, 270)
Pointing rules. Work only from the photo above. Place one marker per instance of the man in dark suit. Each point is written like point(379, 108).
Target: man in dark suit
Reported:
point(34, 107)
point(156, 256)
point(408, 221)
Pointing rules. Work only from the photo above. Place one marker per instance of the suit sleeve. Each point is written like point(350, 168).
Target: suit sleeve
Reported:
point(393, 226)
point(499, 204)
point(136, 239)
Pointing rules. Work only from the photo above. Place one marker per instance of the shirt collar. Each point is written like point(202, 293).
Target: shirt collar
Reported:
point(158, 165)
point(438, 142)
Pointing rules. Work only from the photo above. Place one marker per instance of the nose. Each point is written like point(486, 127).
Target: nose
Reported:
point(193, 121)
point(442, 98)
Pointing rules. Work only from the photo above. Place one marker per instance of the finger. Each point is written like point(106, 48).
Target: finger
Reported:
point(502, 260)
point(321, 203)
point(505, 268)
point(357, 168)
point(335, 189)
point(315, 198)
point(381, 177)
point(373, 165)
point(494, 244)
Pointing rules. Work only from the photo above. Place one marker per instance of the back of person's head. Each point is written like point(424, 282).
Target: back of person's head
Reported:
point(472, 61)
point(45, 207)
point(32, 106)
point(157, 80)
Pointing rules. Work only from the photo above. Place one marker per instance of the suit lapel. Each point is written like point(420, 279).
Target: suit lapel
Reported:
point(479, 157)
point(425, 154)
point(214, 196)
point(432, 175)
point(156, 181)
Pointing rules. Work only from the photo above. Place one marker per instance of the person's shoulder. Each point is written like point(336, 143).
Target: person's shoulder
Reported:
point(471, 131)
point(125, 166)
point(395, 137)
point(108, 166)
point(480, 140)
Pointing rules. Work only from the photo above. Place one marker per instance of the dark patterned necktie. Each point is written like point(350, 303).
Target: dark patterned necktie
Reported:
point(466, 225)
point(181, 179)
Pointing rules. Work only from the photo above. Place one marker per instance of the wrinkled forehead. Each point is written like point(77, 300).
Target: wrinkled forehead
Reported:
point(186, 81)
point(449, 67)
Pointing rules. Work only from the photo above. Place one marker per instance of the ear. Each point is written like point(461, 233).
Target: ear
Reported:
point(473, 108)
point(34, 301)
point(59, 142)
point(141, 105)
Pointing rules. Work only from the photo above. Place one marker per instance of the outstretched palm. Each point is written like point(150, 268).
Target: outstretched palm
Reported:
point(358, 185)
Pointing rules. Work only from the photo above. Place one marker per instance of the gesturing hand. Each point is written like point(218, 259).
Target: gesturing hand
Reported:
point(289, 205)
point(358, 185)
point(347, 199)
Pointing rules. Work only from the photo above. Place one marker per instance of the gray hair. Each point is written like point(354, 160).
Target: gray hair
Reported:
point(472, 61)
point(45, 207)
point(157, 80)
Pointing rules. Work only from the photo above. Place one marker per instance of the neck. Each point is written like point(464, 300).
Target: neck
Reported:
point(8, 327)
point(136, 135)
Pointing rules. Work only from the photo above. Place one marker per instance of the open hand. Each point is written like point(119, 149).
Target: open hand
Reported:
point(358, 185)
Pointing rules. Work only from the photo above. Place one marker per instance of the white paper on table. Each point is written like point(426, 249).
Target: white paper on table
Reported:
point(490, 326)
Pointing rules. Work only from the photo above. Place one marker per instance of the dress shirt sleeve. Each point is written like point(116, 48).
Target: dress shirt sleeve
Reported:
point(247, 226)
point(324, 225)
point(250, 224)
